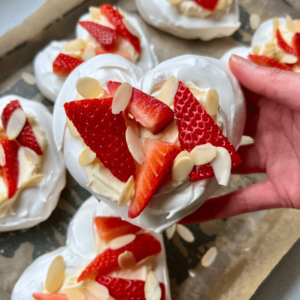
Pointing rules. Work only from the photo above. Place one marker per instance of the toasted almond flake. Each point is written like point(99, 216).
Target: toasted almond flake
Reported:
point(183, 153)
point(270, 46)
point(254, 21)
point(289, 59)
point(171, 231)
point(34, 180)
point(203, 154)
point(29, 78)
point(121, 241)
point(2, 156)
point(126, 193)
point(86, 157)
point(56, 275)
point(131, 28)
point(212, 102)
point(31, 155)
point(297, 25)
point(152, 287)
point(126, 260)
point(276, 25)
point(289, 24)
point(88, 87)
point(269, 50)
point(121, 98)
point(134, 145)
point(95, 12)
point(182, 168)
point(256, 50)
point(209, 257)
point(98, 290)
point(246, 140)
point(175, 2)
point(88, 53)
point(168, 91)
point(75, 45)
point(185, 233)
point(15, 124)
point(222, 166)
point(72, 128)
point(75, 294)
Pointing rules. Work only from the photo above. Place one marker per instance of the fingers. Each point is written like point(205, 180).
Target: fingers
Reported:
point(256, 197)
point(280, 86)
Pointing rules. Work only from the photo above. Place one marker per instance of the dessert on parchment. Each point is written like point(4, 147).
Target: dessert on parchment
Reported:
point(105, 29)
point(152, 146)
point(32, 172)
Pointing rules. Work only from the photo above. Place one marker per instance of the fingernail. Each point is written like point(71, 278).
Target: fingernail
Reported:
point(243, 62)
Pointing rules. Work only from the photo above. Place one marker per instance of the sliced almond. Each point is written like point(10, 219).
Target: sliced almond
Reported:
point(212, 102)
point(276, 25)
point(88, 53)
point(289, 59)
point(182, 168)
point(222, 166)
point(131, 28)
point(171, 231)
point(29, 78)
point(297, 25)
point(121, 241)
point(34, 180)
point(182, 154)
point(126, 260)
point(31, 155)
point(256, 50)
point(75, 294)
point(121, 98)
point(185, 233)
point(175, 2)
point(88, 87)
point(2, 156)
point(86, 157)
point(289, 24)
point(15, 124)
point(56, 275)
point(126, 193)
point(98, 290)
point(168, 91)
point(203, 154)
point(134, 145)
point(75, 45)
point(152, 287)
point(95, 12)
point(254, 21)
point(72, 128)
point(209, 257)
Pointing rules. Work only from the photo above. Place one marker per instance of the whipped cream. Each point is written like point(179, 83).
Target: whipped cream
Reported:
point(80, 249)
point(34, 204)
point(163, 15)
point(51, 84)
point(163, 210)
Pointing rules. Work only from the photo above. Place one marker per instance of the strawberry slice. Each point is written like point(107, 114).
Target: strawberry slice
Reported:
point(64, 64)
point(196, 127)
point(26, 137)
point(144, 245)
point(109, 228)
point(127, 289)
point(282, 44)
point(159, 157)
point(296, 43)
point(117, 20)
point(105, 36)
point(44, 296)
point(207, 4)
point(151, 113)
point(11, 168)
point(104, 133)
point(268, 62)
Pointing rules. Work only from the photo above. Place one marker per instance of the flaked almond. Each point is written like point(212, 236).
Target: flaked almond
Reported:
point(131, 28)
point(168, 91)
point(75, 294)
point(185, 233)
point(152, 287)
point(126, 193)
point(126, 260)
point(34, 180)
point(203, 154)
point(95, 12)
point(31, 155)
point(121, 98)
point(212, 102)
point(134, 145)
point(181, 169)
point(121, 241)
point(276, 25)
point(289, 59)
point(29, 78)
point(2, 156)
point(88, 53)
point(75, 45)
point(222, 166)
point(171, 231)
point(254, 21)
point(209, 257)
point(289, 24)
point(88, 87)
point(256, 50)
point(98, 290)
point(175, 2)
point(72, 128)
point(297, 25)
point(86, 157)
point(15, 124)
point(56, 275)
point(183, 153)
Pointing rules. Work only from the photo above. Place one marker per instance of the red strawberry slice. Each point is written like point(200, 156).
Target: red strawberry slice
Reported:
point(104, 133)
point(207, 4)
point(44, 296)
point(196, 127)
point(64, 64)
point(105, 36)
point(143, 246)
point(109, 228)
point(11, 168)
point(117, 20)
point(268, 62)
point(26, 137)
point(151, 113)
point(127, 289)
point(296, 43)
point(159, 157)
point(282, 44)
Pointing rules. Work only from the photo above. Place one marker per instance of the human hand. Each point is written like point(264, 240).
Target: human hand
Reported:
point(273, 121)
